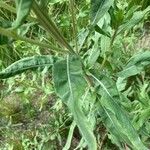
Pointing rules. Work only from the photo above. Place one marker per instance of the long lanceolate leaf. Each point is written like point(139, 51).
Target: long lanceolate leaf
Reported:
point(118, 122)
point(136, 64)
point(135, 19)
point(23, 8)
point(70, 86)
point(99, 8)
point(28, 63)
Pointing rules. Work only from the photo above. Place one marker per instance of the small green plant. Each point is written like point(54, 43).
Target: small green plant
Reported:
point(84, 79)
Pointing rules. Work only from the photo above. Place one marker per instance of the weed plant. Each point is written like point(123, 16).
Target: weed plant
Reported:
point(74, 75)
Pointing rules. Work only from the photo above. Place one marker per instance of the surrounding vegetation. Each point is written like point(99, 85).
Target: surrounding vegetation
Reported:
point(74, 74)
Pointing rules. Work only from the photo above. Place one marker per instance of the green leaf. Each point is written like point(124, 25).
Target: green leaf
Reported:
point(141, 118)
point(116, 119)
point(145, 4)
point(70, 86)
point(101, 31)
point(105, 45)
point(82, 36)
point(23, 8)
point(94, 52)
point(136, 64)
point(135, 19)
point(26, 64)
point(50, 26)
point(43, 5)
point(70, 136)
point(4, 39)
point(93, 56)
point(98, 9)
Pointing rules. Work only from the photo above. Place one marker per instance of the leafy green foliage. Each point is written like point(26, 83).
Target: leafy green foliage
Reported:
point(23, 8)
point(136, 18)
point(136, 64)
point(71, 87)
point(50, 26)
point(117, 121)
point(26, 64)
point(4, 39)
point(106, 96)
point(99, 8)
point(101, 31)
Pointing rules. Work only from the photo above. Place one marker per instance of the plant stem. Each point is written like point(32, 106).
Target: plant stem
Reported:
point(9, 33)
point(13, 10)
point(74, 23)
point(113, 39)
point(102, 141)
point(110, 48)
point(48, 24)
